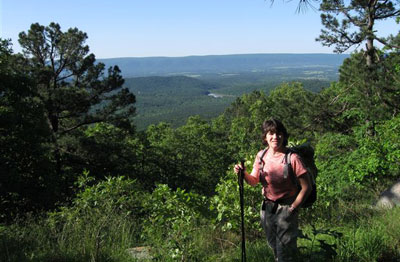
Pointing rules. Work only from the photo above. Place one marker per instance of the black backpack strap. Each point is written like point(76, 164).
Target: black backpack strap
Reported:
point(288, 165)
point(261, 170)
point(261, 161)
point(288, 169)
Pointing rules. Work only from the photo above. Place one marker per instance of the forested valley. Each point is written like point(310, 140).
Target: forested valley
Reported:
point(80, 182)
point(173, 99)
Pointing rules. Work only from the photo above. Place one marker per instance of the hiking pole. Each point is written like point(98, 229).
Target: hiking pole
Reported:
point(241, 191)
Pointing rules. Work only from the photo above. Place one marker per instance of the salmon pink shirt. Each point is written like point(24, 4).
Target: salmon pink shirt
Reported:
point(278, 186)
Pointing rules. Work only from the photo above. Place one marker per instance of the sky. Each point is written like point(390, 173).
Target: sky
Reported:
point(143, 28)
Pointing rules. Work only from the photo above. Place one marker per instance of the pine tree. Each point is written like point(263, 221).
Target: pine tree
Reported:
point(73, 88)
point(358, 24)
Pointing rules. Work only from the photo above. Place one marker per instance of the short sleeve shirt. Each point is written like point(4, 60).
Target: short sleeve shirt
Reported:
point(278, 187)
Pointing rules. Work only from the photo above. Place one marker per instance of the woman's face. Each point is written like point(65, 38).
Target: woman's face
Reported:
point(274, 140)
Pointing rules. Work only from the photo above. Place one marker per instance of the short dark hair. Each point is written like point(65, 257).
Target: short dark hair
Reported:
point(276, 126)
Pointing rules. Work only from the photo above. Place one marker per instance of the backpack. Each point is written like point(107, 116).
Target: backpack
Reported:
point(306, 155)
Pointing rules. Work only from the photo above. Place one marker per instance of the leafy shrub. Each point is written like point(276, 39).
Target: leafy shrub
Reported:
point(175, 224)
point(227, 204)
point(389, 139)
point(103, 221)
point(358, 162)
point(332, 153)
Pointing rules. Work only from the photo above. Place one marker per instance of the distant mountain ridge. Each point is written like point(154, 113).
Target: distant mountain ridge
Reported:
point(220, 64)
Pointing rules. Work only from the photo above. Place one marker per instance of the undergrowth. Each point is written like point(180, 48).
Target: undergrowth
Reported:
point(102, 224)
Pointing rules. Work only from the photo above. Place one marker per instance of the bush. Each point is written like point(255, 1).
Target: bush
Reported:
point(357, 165)
point(176, 227)
point(104, 218)
point(227, 204)
point(102, 222)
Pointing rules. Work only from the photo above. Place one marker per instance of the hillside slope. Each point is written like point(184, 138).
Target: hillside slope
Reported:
point(173, 99)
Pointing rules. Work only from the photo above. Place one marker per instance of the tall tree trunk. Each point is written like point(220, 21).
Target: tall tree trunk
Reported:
point(370, 52)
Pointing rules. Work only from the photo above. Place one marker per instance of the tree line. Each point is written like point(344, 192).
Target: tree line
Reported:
point(62, 113)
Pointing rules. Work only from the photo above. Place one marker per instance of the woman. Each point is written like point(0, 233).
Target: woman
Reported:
point(282, 198)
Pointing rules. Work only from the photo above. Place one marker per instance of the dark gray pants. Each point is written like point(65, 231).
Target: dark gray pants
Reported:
point(281, 229)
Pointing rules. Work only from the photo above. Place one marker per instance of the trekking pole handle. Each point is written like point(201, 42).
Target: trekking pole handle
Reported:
point(242, 169)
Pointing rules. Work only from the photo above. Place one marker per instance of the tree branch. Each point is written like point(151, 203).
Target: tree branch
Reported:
point(81, 124)
point(385, 43)
point(387, 15)
point(65, 77)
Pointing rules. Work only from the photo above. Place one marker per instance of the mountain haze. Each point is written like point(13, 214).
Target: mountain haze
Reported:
point(220, 64)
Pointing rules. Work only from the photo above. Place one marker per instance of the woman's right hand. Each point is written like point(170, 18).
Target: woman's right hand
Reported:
point(237, 168)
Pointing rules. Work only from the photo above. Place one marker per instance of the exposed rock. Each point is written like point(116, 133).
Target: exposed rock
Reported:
point(140, 253)
point(390, 197)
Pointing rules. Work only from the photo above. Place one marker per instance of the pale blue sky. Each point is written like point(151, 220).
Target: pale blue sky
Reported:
point(139, 28)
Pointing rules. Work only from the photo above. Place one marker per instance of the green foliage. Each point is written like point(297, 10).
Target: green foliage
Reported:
point(227, 205)
point(357, 160)
point(104, 218)
point(318, 243)
point(193, 157)
point(102, 222)
point(327, 118)
point(362, 95)
point(174, 224)
point(246, 116)
point(368, 93)
point(110, 151)
point(294, 105)
point(331, 154)
point(347, 163)
point(379, 154)
point(174, 99)
point(255, 251)
point(389, 141)
point(204, 149)
point(365, 245)
point(372, 239)
point(111, 196)
point(289, 102)
point(27, 177)
point(173, 85)
point(48, 97)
